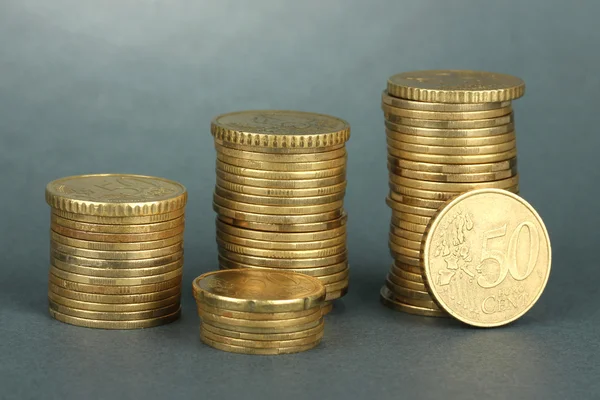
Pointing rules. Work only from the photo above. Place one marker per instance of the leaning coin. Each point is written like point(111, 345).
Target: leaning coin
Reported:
point(256, 351)
point(278, 201)
point(270, 245)
point(280, 175)
point(288, 228)
point(281, 166)
point(256, 315)
point(116, 255)
point(104, 281)
point(114, 290)
point(84, 305)
point(285, 263)
point(452, 168)
point(274, 157)
point(98, 219)
point(257, 336)
point(446, 115)
point(452, 150)
point(112, 228)
point(115, 316)
point(451, 133)
point(388, 300)
point(450, 124)
point(453, 159)
point(116, 272)
point(128, 264)
point(453, 178)
point(283, 254)
point(276, 219)
point(278, 192)
point(108, 246)
point(450, 142)
point(226, 263)
point(95, 323)
point(114, 298)
point(262, 344)
point(117, 237)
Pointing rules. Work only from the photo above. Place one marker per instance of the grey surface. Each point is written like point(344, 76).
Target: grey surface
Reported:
point(130, 86)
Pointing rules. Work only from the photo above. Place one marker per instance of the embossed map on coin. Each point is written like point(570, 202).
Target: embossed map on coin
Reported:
point(487, 257)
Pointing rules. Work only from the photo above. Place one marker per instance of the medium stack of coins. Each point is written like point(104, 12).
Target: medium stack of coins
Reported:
point(116, 252)
point(260, 312)
point(448, 132)
point(281, 180)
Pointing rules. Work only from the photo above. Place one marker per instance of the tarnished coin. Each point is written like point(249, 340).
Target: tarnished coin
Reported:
point(449, 124)
point(311, 156)
point(336, 286)
point(257, 351)
point(108, 246)
point(450, 142)
point(102, 324)
point(262, 344)
point(278, 192)
point(285, 263)
point(453, 168)
point(281, 183)
point(287, 228)
point(388, 300)
point(321, 236)
point(453, 159)
point(112, 228)
point(327, 308)
point(440, 107)
point(258, 336)
point(276, 219)
point(281, 166)
point(445, 115)
point(265, 201)
point(486, 257)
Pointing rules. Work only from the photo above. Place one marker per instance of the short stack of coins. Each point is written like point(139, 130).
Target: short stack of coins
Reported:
point(116, 250)
point(448, 132)
point(260, 312)
point(281, 180)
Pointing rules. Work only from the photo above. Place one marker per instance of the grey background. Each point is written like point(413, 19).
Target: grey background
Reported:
point(130, 86)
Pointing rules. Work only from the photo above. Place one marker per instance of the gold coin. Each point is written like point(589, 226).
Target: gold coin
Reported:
point(326, 309)
point(336, 294)
point(334, 278)
point(407, 275)
point(508, 262)
point(406, 283)
point(280, 129)
point(415, 201)
point(388, 300)
point(404, 251)
point(430, 304)
point(97, 219)
point(255, 315)
point(278, 201)
point(337, 286)
point(453, 159)
point(276, 219)
point(258, 291)
point(116, 255)
point(455, 187)
point(102, 263)
point(455, 86)
point(409, 226)
point(258, 336)
point(340, 188)
point(108, 228)
point(257, 351)
point(408, 217)
point(409, 268)
point(117, 237)
point(95, 323)
point(450, 133)
point(450, 124)
point(115, 298)
point(115, 195)
point(452, 168)
point(105, 281)
point(406, 292)
point(116, 272)
point(441, 107)
point(407, 243)
point(406, 234)
point(115, 308)
point(282, 166)
point(404, 259)
point(454, 178)
point(311, 156)
point(286, 246)
point(277, 210)
point(451, 142)
point(403, 208)
point(114, 290)
point(114, 316)
point(452, 150)
point(281, 183)
point(266, 331)
point(264, 324)
point(336, 233)
point(285, 254)
point(283, 151)
point(289, 228)
point(280, 175)
point(225, 263)
point(108, 246)
point(261, 344)
point(432, 194)
point(445, 115)
point(285, 263)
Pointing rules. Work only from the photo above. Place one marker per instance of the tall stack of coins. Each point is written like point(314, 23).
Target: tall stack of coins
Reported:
point(116, 250)
point(281, 180)
point(448, 132)
point(260, 312)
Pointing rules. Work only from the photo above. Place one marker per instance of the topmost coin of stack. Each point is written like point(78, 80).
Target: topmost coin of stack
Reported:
point(116, 254)
point(281, 179)
point(448, 132)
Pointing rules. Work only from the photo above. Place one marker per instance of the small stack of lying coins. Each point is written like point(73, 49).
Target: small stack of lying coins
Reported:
point(116, 250)
point(448, 132)
point(281, 180)
point(260, 312)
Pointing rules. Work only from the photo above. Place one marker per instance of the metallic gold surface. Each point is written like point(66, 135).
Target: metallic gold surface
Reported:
point(102, 324)
point(283, 254)
point(115, 316)
point(106, 281)
point(318, 328)
point(108, 246)
point(273, 245)
point(257, 351)
point(388, 300)
point(114, 290)
point(308, 157)
point(262, 344)
point(453, 150)
point(278, 201)
point(453, 159)
point(115, 263)
point(289, 228)
point(265, 331)
point(454, 178)
point(450, 124)
point(450, 133)
point(225, 263)
point(285, 263)
point(129, 307)
point(117, 237)
point(112, 228)
point(452, 169)
point(116, 272)
point(275, 192)
point(276, 219)
point(280, 175)
point(122, 299)
point(117, 255)
point(205, 308)
point(98, 219)
point(403, 111)
point(281, 183)
point(450, 142)
point(282, 166)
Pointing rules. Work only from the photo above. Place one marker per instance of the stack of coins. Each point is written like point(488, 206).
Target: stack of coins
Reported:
point(116, 250)
point(281, 180)
point(260, 312)
point(448, 132)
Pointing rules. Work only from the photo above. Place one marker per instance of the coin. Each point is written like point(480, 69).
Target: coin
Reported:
point(405, 259)
point(225, 263)
point(410, 276)
point(445, 115)
point(274, 192)
point(334, 278)
point(406, 234)
point(97, 219)
point(450, 133)
point(283, 158)
point(114, 290)
point(277, 219)
point(406, 292)
point(264, 201)
point(284, 254)
point(432, 194)
point(269, 331)
point(111, 228)
point(106, 281)
point(450, 124)
point(280, 129)
point(258, 291)
point(114, 298)
point(83, 305)
point(94, 323)
point(280, 175)
point(415, 201)
point(317, 236)
point(453, 150)
point(285, 263)
point(281, 183)
point(453, 159)
point(276, 210)
point(281, 151)
point(441, 107)
point(409, 226)
point(508, 263)
point(454, 187)
point(114, 195)
point(282, 166)
point(453, 168)
point(336, 294)
point(257, 351)
point(258, 336)
point(263, 324)
point(404, 208)
point(403, 250)
point(451, 142)
point(406, 283)
point(430, 304)
point(336, 286)
point(116, 255)
point(409, 268)
point(108, 246)
point(407, 243)
point(454, 178)
point(408, 217)
point(289, 228)
point(256, 315)
point(117, 237)
point(327, 308)
point(117, 272)
point(455, 86)
point(388, 300)
point(261, 344)
point(114, 316)
point(103, 263)
point(269, 245)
